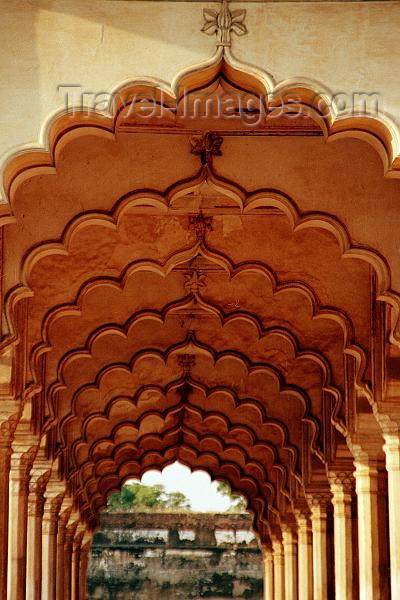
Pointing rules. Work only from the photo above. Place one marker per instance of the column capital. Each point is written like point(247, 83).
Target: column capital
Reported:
point(301, 512)
point(342, 486)
point(7, 429)
point(20, 467)
point(388, 416)
point(70, 533)
point(267, 554)
point(277, 545)
point(50, 514)
point(341, 478)
point(86, 547)
point(318, 501)
point(366, 444)
point(53, 503)
point(368, 476)
point(391, 449)
point(35, 505)
point(78, 539)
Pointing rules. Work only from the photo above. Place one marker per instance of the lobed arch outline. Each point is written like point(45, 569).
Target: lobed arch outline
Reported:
point(75, 308)
point(95, 482)
point(286, 446)
point(246, 201)
point(159, 466)
point(380, 131)
point(224, 62)
point(257, 199)
point(178, 409)
point(93, 520)
point(245, 481)
point(222, 261)
point(250, 367)
point(124, 331)
point(176, 386)
point(94, 465)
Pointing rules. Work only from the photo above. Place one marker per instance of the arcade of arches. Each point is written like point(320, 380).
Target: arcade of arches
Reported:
point(189, 288)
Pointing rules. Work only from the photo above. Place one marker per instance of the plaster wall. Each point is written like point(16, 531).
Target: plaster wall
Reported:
point(344, 46)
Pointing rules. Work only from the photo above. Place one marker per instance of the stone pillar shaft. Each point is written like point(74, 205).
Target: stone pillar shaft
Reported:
point(290, 553)
point(17, 527)
point(318, 506)
point(34, 547)
point(392, 452)
point(76, 560)
point(5, 462)
point(60, 560)
point(268, 574)
point(68, 558)
point(49, 552)
point(85, 551)
point(279, 570)
point(366, 476)
point(305, 559)
point(341, 488)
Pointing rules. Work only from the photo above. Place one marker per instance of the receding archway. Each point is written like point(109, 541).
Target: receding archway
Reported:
point(214, 308)
point(175, 534)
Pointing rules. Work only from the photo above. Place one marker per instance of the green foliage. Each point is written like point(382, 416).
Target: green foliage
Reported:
point(238, 502)
point(178, 501)
point(136, 497)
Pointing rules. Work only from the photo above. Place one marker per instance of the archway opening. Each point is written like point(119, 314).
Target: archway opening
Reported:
point(175, 534)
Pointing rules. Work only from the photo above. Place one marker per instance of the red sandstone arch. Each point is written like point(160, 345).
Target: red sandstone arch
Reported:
point(276, 253)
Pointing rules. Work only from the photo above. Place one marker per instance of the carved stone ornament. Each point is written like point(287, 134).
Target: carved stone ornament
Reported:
point(186, 361)
point(200, 225)
point(206, 146)
point(224, 22)
point(195, 281)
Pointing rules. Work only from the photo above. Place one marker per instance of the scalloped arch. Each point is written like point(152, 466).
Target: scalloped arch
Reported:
point(124, 330)
point(380, 131)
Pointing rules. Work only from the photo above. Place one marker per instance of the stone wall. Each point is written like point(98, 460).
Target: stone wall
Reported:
point(174, 556)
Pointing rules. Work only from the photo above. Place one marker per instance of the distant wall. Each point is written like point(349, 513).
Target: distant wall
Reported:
point(168, 556)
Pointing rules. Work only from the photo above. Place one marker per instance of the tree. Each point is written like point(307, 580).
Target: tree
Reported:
point(178, 500)
point(136, 497)
point(238, 502)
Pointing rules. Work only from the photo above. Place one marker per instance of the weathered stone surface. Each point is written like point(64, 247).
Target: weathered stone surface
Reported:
point(135, 557)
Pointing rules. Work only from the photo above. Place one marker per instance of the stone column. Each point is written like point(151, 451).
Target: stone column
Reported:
point(305, 557)
point(279, 570)
point(318, 504)
point(68, 556)
point(392, 452)
point(366, 475)
point(7, 429)
point(34, 540)
point(21, 464)
point(290, 554)
point(85, 551)
point(268, 561)
point(49, 547)
point(62, 526)
point(76, 562)
point(341, 488)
